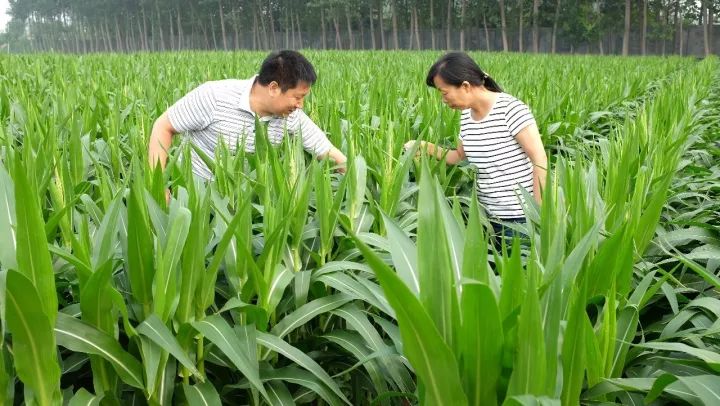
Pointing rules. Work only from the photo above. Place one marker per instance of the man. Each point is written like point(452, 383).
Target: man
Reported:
point(227, 109)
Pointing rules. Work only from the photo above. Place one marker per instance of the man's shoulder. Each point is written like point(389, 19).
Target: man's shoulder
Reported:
point(236, 85)
point(228, 91)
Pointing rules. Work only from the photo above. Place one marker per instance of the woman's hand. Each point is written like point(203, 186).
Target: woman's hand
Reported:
point(451, 156)
point(411, 144)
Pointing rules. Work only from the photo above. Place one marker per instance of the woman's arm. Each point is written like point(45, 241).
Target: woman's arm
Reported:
point(530, 141)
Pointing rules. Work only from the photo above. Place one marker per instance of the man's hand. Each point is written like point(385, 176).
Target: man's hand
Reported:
point(339, 158)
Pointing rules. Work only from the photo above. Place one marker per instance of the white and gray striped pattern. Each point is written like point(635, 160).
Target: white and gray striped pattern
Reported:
point(221, 109)
point(502, 167)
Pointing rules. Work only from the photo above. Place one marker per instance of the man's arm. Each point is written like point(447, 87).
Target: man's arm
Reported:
point(160, 141)
point(316, 142)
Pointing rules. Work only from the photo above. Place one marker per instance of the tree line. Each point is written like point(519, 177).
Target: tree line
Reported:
point(512, 25)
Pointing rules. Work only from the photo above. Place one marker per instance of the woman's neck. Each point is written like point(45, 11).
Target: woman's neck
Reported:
point(482, 102)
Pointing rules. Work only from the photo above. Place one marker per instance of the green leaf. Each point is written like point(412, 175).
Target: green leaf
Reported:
point(8, 223)
point(303, 378)
point(336, 266)
point(573, 349)
point(33, 257)
point(276, 344)
point(528, 376)
point(530, 400)
point(454, 234)
point(438, 290)
point(152, 358)
point(209, 279)
point(166, 275)
point(140, 266)
point(96, 304)
point(34, 348)
point(307, 312)
point(357, 287)
point(712, 358)
point(481, 343)
point(358, 320)
point(202, 394)
point(84, 398)
point(404, 254)
point(79, 336)
point(219, 332)
point(167, 382)
point(705, 252)
point(279, 394)
point(659, 386)
point(280, 281)
point(7, 374)
point(193, 273)
point(705, 387)
point(617, 386)
point(709, 277)
point(430, 356)
point(302, 287)
point(105, 238)
point(475, 259)
point(353, 343)
point(626, 328)
point(155, 330)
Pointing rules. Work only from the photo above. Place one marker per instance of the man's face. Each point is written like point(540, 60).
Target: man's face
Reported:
point(290, 100)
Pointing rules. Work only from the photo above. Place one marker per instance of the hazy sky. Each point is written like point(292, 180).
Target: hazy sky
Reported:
point(3, 17)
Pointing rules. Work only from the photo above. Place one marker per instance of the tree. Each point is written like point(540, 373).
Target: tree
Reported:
point(462, 24)
point(705, 21)
point(501, 3)
point(536, 25)
point(553, 45)
point(448, 39)
point(626, 35)
point(643, 40)
point(157, 25)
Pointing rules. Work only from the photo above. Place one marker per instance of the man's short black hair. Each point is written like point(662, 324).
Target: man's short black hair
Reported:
point(287, 68)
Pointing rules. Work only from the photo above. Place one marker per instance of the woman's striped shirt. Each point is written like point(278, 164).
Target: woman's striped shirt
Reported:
point(502, 167)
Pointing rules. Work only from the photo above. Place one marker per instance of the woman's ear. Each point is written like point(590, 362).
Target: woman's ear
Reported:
point(465, 85)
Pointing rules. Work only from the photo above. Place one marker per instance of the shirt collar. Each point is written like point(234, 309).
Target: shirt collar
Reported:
point(245, 99)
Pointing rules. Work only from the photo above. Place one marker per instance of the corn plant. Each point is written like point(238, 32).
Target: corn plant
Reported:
point(283, 282)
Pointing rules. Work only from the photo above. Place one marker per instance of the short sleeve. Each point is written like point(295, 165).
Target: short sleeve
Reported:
point(518, 117)
point(194, 111)
point(313, 138)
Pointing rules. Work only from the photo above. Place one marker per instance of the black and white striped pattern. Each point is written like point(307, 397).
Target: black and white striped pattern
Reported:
point(221, 109)
point(502, 167)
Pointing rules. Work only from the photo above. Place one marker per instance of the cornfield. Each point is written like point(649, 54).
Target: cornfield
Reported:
point(283, 282)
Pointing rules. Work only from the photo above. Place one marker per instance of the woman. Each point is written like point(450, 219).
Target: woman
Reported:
point(498, 136)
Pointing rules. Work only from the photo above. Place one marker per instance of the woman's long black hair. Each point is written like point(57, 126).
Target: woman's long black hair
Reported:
point(457, 67)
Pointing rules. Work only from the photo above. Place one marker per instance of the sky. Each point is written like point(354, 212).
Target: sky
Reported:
point(4, 18)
